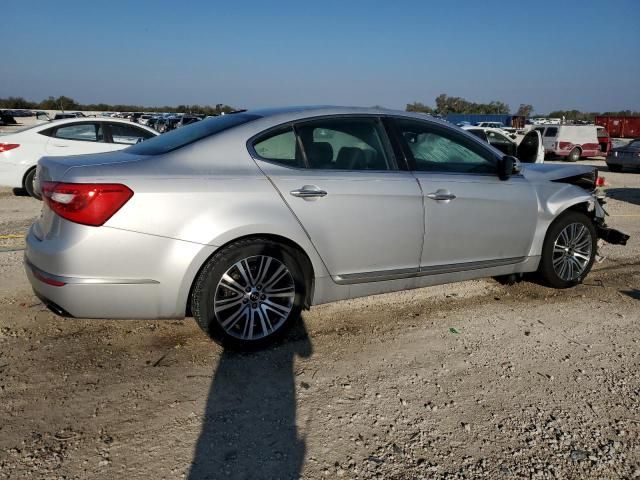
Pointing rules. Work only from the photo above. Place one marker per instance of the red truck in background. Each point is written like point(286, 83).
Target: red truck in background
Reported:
point(620, 127)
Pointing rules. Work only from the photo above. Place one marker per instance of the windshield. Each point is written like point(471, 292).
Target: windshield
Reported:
point(175, 139)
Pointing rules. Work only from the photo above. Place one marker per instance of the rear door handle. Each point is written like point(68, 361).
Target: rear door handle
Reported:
point(308, 191)
point(441, 195)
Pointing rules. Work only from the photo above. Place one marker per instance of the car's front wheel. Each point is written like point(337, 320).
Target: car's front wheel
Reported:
point(249, 293)
point(569, 250)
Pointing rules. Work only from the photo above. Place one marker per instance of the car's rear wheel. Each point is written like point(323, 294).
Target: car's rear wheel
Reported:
point(569, 250)
point(29, 184)
point(249, 293)
point(614, 168)
point(574, 155)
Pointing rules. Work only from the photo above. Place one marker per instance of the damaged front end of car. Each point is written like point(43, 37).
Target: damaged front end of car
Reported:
point(589, 180)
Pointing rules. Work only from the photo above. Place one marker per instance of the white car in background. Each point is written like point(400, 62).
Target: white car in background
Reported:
point(529, 150)
point(21, 150)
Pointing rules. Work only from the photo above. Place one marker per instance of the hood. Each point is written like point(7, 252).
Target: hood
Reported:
point(552, 172)
point(54, 168)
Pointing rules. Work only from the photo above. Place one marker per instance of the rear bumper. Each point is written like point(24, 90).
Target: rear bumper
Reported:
point(109, 273)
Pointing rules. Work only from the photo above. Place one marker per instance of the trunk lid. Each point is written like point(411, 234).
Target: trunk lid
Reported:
point(55, 168)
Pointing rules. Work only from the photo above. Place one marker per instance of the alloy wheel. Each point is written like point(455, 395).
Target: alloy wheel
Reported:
point(254, 297)
point(572, 251)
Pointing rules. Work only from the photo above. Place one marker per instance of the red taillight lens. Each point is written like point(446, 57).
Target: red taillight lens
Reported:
point(5, 147)
point(48, 280)
point(600, 182)
point(86, 203)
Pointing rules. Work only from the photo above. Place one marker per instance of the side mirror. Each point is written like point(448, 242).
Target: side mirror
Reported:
point(507, 166)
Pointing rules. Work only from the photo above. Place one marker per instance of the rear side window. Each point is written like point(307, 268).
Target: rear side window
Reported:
point(128, 134)
point(345, 144)
point(551, 132)
point(279, 146)
point(181, 137)
point(83, 132)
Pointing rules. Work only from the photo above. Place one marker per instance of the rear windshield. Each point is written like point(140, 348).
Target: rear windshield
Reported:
point(175, 139)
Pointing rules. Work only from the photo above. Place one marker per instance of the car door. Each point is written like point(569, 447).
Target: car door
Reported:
point(472, 218)
point(78, 138)
point(501, 142)
point(530, 149)
point(339, 177)
point(631, 154)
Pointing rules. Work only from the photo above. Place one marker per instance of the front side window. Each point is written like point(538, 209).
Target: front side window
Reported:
point(345, 144)
point(497, 139)
point(128, 134)
point(83, 132)
point(436, 150)
point(551, 132)
point(478, 133)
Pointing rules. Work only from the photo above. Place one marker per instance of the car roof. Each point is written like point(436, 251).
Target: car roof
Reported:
point(284, 114)
point(67, 121)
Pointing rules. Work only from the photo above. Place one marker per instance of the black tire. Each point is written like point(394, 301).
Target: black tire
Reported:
point(574, 155)
point(546, 270)
point(614, 168)
point(203, 297)
point(28, 184)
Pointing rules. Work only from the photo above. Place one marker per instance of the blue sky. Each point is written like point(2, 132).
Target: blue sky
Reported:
point(550, 53)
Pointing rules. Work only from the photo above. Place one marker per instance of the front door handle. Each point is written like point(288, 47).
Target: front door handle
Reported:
point(308, 191)
point(441, 195)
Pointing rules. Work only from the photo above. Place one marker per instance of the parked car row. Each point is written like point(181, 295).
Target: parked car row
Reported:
point(166, 123)
point(21, 150)
point(529, 150)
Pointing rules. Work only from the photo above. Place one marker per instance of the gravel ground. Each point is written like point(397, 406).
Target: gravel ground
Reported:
point(471, 380)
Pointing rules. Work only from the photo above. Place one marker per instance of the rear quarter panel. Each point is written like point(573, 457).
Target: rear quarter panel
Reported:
point(209, 193)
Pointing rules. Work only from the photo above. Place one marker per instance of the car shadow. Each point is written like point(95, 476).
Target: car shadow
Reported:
point(629, 195)
point(249, 427)
point(633, 293)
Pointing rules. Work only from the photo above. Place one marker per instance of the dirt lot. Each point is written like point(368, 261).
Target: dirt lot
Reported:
point(473, 380)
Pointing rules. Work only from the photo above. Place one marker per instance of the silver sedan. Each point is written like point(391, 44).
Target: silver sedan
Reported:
point(244, 220)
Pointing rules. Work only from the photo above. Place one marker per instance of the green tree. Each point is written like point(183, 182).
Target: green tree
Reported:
point(418, 107)
point(525, 110)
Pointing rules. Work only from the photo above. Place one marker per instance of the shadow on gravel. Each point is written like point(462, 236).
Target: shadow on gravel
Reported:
point(633, 293)
point(249, 428)
point(629, 195)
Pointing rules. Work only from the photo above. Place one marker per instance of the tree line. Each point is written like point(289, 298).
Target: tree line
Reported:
point(446, 105)
point(69, 104)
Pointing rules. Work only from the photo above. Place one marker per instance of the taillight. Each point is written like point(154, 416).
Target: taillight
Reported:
point(86, 203)
point(600, 182)
point(5, 147)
